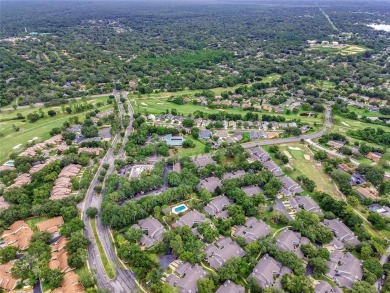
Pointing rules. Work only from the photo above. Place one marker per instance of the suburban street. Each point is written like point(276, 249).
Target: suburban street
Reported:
point(125, 279)
point(328, 124)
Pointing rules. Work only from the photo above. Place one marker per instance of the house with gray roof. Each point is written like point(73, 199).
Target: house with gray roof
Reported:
point(324, 287)
point(233, 175)
point(173, 140)
point(344, 269)
point(221, 251)
point(252, 230)
point(153, 231)
point(210, 184)
point(190, 219)
point(291, 241)
point(186, 277)
point(202, 161)
point(216, 207)
point(268, 270)
point(255, 135)
point(205, 133)
point(230, 287)
point(252, 190)
point(273, 168)
point(341, 231)
point(306, 203)
point(259, 154)
point(289, 186)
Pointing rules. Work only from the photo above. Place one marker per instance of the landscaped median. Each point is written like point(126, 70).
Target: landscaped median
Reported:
point(108, 267)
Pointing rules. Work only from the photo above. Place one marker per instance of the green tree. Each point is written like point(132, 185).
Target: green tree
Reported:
point(92, 212)
point(7, 253)
point(319, 265)
point(206, 285)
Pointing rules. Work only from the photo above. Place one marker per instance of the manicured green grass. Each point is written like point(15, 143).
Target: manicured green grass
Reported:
point(325, 84)
point(108, 267)
point(267, 79)
point(32, 222)
point(156, 106)
point(40, 129)
point(342, 125)
point(345, 50)
point(365, 112)
point(309, 168)
point(197, 150)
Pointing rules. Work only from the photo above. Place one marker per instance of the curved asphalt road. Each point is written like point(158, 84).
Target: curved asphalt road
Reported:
point(125, 279)
point(328, 124)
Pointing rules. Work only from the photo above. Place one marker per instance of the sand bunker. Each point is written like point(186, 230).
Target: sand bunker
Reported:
point(307, 157)
point(346, 124)
point(160, 103)
point(294, 148)
point(17, 146)
point(144, 104)
point(287, 154)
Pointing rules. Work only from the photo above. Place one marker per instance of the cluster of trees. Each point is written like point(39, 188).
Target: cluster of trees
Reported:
point(309, 184)
point(274, 149)
point(369, 134)
point(308, 224)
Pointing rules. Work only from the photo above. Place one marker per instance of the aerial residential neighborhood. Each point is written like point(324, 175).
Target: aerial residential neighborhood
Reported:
point(195, 146)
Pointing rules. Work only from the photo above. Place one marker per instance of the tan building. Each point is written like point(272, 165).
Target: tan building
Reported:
point(7, 282)
point(70, 284)
point(52, 225)
point(59, 256)
point(18, 234)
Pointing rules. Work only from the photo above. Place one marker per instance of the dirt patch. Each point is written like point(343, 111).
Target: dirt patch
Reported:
point(272, 134)
point(294, 148)
point(307, 157)
point(287, 154)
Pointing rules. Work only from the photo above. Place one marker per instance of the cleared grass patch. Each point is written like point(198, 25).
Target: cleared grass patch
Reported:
point(106, 263)
point(34, 221)
point(197, 150)
point(309, 168)
point(40, 129)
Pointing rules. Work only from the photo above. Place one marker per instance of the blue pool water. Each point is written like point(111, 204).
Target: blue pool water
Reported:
point(9, 163)
point(180, 208)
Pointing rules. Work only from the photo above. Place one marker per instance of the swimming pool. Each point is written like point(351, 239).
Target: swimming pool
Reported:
point(179, 209)
point(9, 163)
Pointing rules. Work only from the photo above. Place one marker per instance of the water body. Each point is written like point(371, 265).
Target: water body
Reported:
point(380, 27)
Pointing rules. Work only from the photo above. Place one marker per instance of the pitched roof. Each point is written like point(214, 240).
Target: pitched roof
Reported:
point(291, 241)
point(230, 287)
point(51, 225)
point(252, 230)
point(273, 167)
point(251, 190)
point(216, 206)
point(189, 219)
point(266, 269)
point(7, 281)
point(188, 283)
point(210, 183)
point(223, 250)
point(155, 231)
point(70, 284)
point(19, 235)
point(308, 204)
point(342, 232)
point(202, 161)
point(233, 175)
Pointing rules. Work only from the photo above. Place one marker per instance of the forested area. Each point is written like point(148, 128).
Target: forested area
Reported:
point(174, 47)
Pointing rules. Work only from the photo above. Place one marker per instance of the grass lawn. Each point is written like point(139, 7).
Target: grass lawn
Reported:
point(40, 129)
point(269, 78)
point(197, 150)
point(342, 125)
point(32, 222)
point(365, 112)
point(108, 267)
point(154, 105)
point(301, 166)
point(325, 84)
point(345, 50)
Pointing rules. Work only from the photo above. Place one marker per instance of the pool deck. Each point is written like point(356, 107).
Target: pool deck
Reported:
point(181, 211)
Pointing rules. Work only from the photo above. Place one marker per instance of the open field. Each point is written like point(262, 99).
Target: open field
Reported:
point(365, 112)
point(106, 262)
point(197, 150)
point(342, 125)
point(309, 168)
point(153, 105)
point(325, 84)
point(40, 128)
point(191, 93)
point(343, 50)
